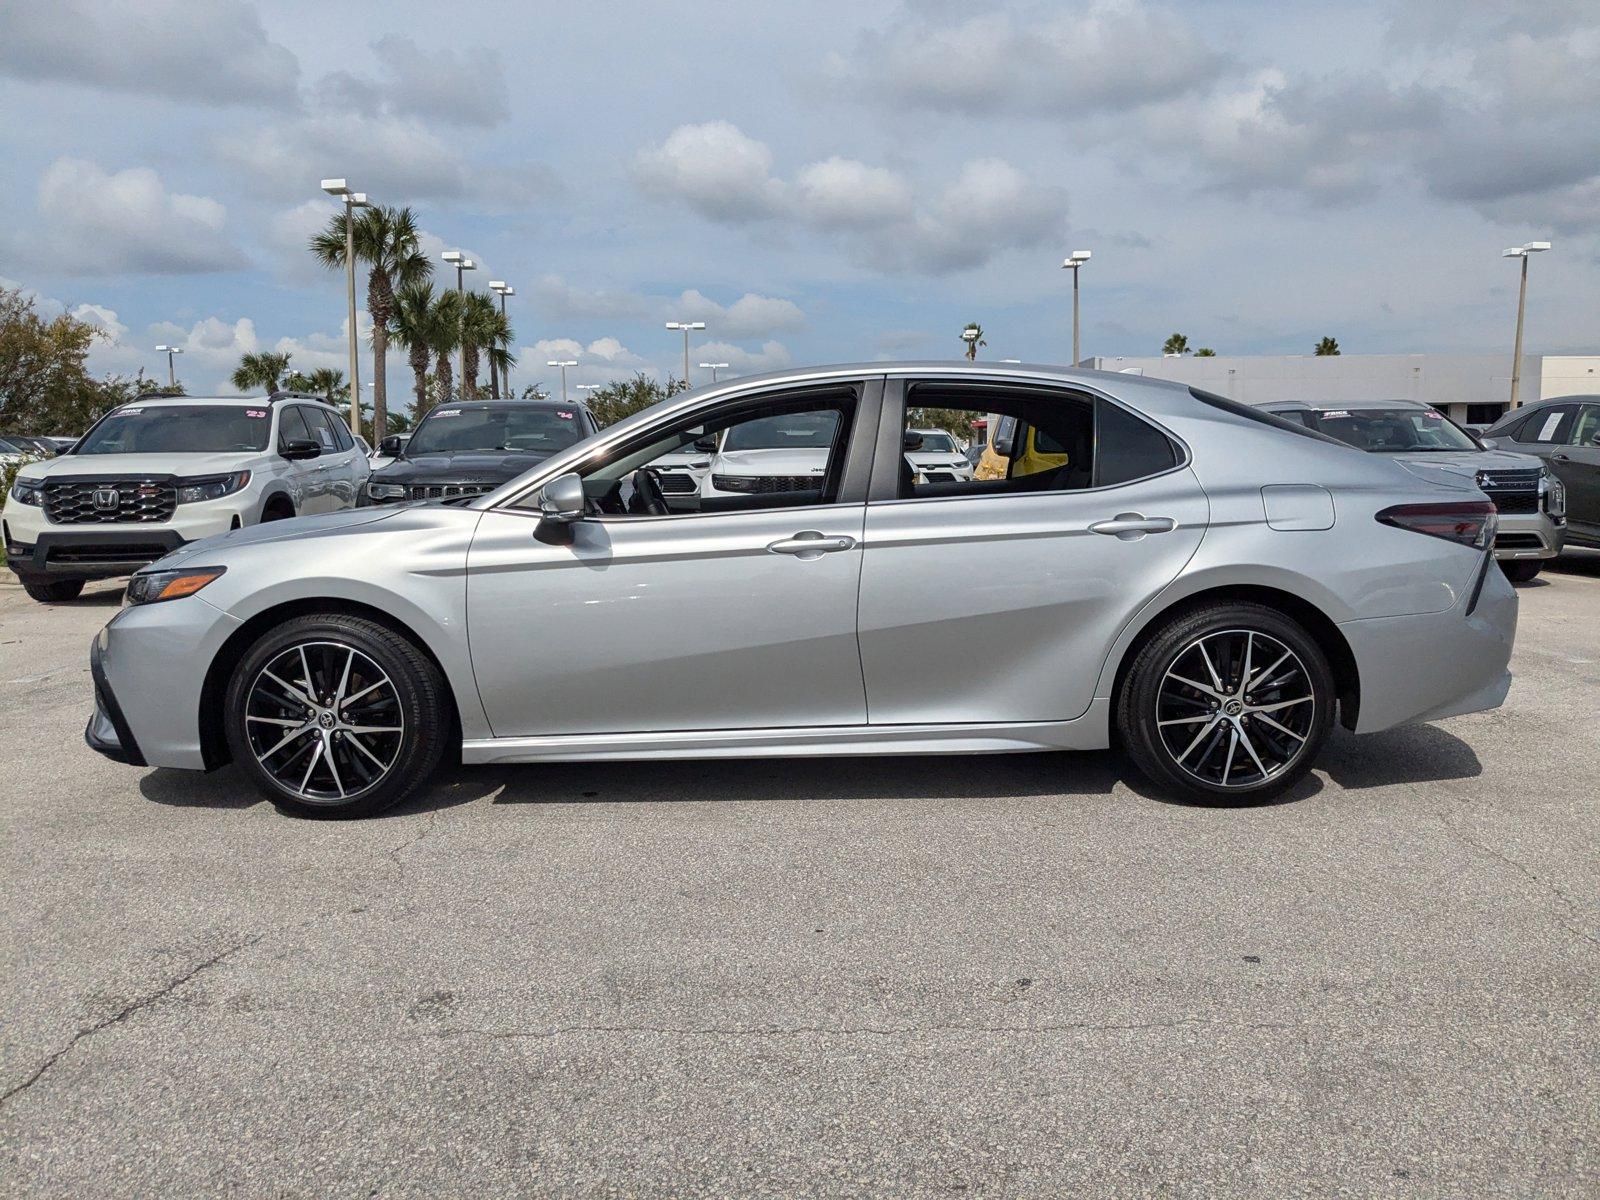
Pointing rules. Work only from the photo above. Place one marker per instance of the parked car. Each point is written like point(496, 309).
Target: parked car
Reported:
point(780, 458)
point(1531, 501)
point(1565, 434)
point(1211, 584)
point(381, 457)
point(935, 456)
point(467, 448)
point(62, 444)
point(32, 447)
point(155, 475)
point(13, 453)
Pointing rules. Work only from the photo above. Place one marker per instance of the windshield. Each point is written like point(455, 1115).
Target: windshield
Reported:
point(1394, 430)
point(180, 429)
point(525, 429)
point(804, 429)
point(936, 443)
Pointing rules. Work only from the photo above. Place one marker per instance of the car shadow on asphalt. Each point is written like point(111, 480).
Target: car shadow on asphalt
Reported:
point(1415, 754)
point(1579, 562)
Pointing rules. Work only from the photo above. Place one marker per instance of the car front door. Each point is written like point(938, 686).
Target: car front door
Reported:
point(721, 620)
point(337, 474)
point(1036, 580)
point(1578, 464)
point(304, 476)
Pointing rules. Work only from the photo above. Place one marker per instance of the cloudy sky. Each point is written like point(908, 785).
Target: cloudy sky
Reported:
point(817, 182)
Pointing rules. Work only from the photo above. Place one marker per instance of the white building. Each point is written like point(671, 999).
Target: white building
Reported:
point(1470, 388)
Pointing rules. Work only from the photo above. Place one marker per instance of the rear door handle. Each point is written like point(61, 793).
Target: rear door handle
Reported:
point(810, 544)
point(1130, 526)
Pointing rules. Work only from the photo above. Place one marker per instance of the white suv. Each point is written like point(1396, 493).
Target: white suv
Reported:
point(155, 474)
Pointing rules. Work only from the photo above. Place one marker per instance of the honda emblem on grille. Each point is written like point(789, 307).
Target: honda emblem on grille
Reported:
point(106, 499)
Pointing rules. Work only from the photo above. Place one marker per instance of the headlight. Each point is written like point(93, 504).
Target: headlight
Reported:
point(148, 587)
point(1550, 487)
point(386, 491)
point(211, 487)
point(27, 491)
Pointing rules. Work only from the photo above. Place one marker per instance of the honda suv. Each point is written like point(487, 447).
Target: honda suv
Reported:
point(1530, 499)
point(155, 474)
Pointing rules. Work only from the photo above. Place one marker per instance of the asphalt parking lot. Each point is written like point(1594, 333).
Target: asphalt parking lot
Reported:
point(998, 976)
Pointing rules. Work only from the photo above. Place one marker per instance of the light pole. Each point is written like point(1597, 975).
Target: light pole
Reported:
point(563, 363)
point(714, 367)
point(172, 378)
point(505, 289)
point(1521, 252)
point(462, 264)
point(686, 326)
point(1073, 261)
point(352, 201)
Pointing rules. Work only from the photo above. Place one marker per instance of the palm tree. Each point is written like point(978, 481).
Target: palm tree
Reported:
point(972, 335)
point(386, 240)
point(498, 351)
point(1326, 348)
point(1205, 352)
point(328, 382)
point(261, 370)
point(1176, 344)
point(478, 319)
point(416, 313)
point(446, 329)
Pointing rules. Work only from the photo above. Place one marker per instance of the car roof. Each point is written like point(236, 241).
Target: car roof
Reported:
point(229, 401)
point(1341, 405)
point(479, 405)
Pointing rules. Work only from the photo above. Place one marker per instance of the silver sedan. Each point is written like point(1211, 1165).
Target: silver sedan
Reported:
point(1138, 561)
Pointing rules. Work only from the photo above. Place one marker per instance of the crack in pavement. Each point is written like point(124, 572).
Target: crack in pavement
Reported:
point(393, 855)
point(127, 1011)
point(772, 1031)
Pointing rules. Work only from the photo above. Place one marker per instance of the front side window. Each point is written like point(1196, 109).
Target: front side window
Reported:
point(1547, 425)
point(511, 428)
point(292, 427)
point(1586, 429)
point(180, 429)
point(1394, 430)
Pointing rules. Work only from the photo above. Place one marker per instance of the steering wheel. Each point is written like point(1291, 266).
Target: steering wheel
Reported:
point(647, 493)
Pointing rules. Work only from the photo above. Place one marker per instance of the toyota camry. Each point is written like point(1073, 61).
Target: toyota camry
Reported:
point(1206, 584)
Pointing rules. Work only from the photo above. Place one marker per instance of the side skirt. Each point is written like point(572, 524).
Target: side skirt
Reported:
point(1088, 732)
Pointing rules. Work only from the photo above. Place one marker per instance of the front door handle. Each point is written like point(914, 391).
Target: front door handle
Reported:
point(810, 544)
point(1130, 527)
point(1562, 457)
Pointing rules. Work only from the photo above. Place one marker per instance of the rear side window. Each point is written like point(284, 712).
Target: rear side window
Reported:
point(341, 431)
point(1126, 448)
point(1546, 425)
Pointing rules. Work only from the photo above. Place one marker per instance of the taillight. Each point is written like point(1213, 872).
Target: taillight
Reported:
point(1469, 522)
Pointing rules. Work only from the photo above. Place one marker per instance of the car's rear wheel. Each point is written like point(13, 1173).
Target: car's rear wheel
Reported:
point(336, 716)
point(55, 591)
point(1230, 702)
point(1521, 570)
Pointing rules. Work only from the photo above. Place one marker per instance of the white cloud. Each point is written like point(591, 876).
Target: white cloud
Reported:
point(462, 87)
point(96, 222)
point(990, 207)
point(193, 51)
point(555, 299)
point(750, 316)
point(772, 356)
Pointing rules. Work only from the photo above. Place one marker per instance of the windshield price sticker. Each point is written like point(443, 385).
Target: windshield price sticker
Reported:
point(254, 412)
point(1337, 412)
point(565, 416)
point(130, 412)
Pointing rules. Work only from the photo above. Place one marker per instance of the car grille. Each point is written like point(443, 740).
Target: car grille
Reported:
point(443, 491)
point(131, 552)
point(939, 476)
point(763, 485)
point(109, 501)
point(1519, 541)
point(1513, 491)
point(675, 483)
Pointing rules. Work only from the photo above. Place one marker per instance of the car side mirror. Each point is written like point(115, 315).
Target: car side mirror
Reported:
point(1594, 439)
point(1005, 439)
point(390, 446)
point(300, 448)
point(1489, 443)
point(706, 445)
point(561, 500)
point(913, 441)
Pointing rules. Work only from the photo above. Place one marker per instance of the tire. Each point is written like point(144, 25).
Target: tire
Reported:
point(1521, 570)
point(279, 508)
point(381, 748)
point(1158, 705)
point(54, 592)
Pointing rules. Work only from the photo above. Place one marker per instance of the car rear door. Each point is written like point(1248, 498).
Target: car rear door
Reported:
point(1034, 585)
point(1578, 464)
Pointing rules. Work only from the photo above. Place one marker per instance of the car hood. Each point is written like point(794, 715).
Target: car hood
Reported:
point(143, 464)
point(802, 460)
point(1464, 464)
point(936, 458)
point(317, 525)
point(471, 466)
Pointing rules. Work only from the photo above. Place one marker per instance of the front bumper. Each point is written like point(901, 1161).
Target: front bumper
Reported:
point(1435, 665)
point(1529, 535)
point(107, 731)
point(40, 549)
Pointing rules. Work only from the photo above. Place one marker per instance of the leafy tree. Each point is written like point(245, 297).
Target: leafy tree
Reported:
point(625, 397)
point(952, 421)
point(498, 351)
point(144, 384)
point(1176, 344)
point(535, 391)
point(327, 382)
point(478, 318)
point(45, 387)
point(446, 331)
point(1326, 348)
point(386, 240)
point(266, 369)
point(416, 311)
point(972, 338)
point(1205, 352)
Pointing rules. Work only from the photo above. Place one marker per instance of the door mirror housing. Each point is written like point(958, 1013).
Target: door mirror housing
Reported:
point(1005, 437)
point(913, 440)
point(1489, 443)
point(299, 449)
point(561, 500)
point(390, 446)
point(706, 445)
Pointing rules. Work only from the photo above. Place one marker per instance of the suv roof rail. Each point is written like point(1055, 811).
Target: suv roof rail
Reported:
point(274, 397)
point(161, 394)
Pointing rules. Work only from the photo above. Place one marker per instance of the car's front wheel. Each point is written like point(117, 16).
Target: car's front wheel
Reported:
point(1521, 570)
point(56, 591)
point(1230, 702)
point(336, 716)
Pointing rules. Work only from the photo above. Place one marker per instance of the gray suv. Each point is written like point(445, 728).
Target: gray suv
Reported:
point(1565, 433)
point(1529, 496)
